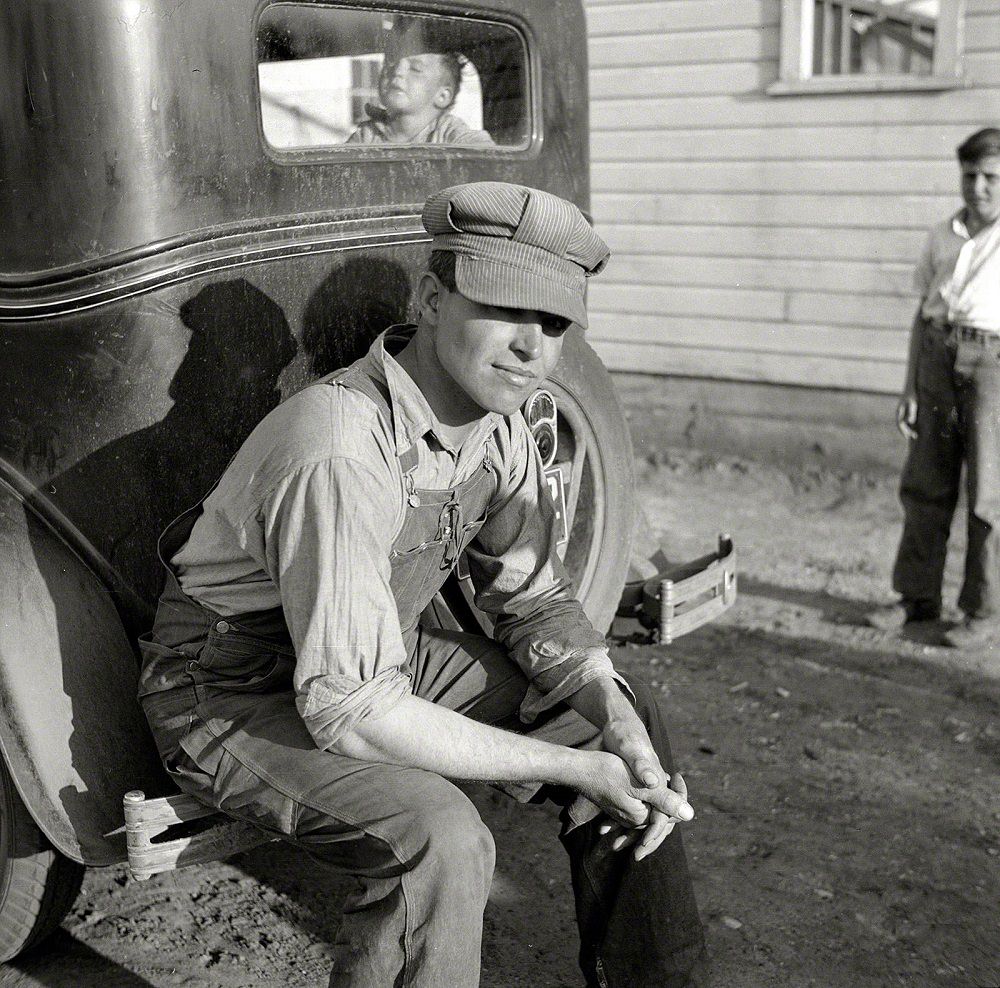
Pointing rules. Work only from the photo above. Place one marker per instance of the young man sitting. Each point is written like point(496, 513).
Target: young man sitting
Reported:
point(290, 678)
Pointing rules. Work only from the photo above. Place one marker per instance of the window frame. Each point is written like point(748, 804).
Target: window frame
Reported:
point(795, 74)
point(328, 153)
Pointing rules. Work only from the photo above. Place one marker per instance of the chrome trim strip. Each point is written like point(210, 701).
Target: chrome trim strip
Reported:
point(371, 218)
point(91, 293)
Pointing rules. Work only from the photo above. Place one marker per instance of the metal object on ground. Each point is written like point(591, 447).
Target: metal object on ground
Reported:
point(691, 594)
point(152, 848)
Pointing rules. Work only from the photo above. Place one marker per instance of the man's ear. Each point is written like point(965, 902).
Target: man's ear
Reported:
point(429, 292)
point(443, 98)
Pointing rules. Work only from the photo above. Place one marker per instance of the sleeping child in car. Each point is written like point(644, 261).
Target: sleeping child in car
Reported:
point(418, 86)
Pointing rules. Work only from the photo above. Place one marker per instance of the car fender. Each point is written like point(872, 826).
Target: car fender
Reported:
point(71, 730)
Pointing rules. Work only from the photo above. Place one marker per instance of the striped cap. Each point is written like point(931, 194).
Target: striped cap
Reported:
point(517, 247)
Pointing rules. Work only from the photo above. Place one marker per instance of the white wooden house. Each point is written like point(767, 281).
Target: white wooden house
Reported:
point(765, 172)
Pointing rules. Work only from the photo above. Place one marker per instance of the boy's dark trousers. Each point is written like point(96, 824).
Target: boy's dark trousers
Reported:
point(958, 418)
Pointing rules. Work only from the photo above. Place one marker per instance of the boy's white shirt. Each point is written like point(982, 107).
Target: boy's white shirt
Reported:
point(958, 276)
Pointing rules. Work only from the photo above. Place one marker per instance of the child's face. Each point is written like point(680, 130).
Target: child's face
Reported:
point(415, 83)
point(981, 188)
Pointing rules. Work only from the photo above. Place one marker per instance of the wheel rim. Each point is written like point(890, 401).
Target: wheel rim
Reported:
point(580, 456)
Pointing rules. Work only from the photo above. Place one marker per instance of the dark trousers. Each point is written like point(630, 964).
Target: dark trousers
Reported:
point(422, 856)
point(958, 419)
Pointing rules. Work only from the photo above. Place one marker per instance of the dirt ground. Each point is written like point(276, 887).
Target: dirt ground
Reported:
point(845, 784)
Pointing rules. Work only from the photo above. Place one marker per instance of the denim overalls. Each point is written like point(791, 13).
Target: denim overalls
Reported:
point(252, 652)
point(217, 691)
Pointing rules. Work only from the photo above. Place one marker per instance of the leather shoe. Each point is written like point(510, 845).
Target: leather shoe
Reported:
point(893, 617)
point(972, 632)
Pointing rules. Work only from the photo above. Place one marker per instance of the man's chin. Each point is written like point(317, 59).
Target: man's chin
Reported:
point(509, 406)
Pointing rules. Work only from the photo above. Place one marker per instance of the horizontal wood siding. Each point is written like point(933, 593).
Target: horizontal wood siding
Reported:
point(757, 237)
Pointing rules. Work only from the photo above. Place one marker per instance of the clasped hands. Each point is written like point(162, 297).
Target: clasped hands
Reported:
point(642, 802)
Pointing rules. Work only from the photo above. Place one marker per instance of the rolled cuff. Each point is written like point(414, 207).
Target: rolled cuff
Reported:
point(579, 672)
point(333, 705)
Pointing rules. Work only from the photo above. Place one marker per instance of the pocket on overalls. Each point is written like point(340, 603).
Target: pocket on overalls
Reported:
point(161, 666)
point(244, 793)
point(469, 532)
point(204, 767)
point(239, 660)
point(416, 577)
point(417, 549)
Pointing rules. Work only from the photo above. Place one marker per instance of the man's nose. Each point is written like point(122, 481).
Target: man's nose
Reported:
point(529, 340)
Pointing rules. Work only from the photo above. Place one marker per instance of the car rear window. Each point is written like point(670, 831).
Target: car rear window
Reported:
point(332, 77)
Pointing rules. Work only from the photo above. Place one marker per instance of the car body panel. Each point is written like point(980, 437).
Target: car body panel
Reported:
point(130, 125)
point(165, 280)
point(71, 732)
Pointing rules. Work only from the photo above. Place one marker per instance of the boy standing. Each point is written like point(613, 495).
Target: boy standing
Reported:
point(950, 409)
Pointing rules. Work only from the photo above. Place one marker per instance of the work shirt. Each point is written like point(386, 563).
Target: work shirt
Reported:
point(305, 518)
point(445, 129)
point(958, 275)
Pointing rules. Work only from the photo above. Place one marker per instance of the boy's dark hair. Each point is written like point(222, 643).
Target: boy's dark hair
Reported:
point(433, 39)
point(452, 65)
point(983, 143)
point(442, 266)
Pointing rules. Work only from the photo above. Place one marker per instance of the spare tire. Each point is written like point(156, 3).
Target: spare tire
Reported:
point(595, 451)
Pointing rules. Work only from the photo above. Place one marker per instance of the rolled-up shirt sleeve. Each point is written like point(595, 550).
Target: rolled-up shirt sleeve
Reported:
point(521, 582)
point(328, 531)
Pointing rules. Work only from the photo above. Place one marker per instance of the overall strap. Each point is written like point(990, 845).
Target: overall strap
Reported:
point(355, 379)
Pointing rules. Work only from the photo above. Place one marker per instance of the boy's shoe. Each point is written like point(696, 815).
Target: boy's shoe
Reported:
point(893, 617)
point(973, 631)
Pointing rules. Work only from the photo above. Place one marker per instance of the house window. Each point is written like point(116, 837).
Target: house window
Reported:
point(859, 45)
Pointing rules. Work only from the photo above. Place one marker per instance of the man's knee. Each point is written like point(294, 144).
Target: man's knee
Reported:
point(405, 820)
point(451, 839)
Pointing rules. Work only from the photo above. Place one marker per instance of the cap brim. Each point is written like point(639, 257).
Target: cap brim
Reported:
point(493, 282)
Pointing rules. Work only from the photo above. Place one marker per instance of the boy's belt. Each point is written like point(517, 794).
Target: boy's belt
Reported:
point(959, 332)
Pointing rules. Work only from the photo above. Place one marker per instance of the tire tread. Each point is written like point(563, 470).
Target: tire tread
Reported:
point(38, 885)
